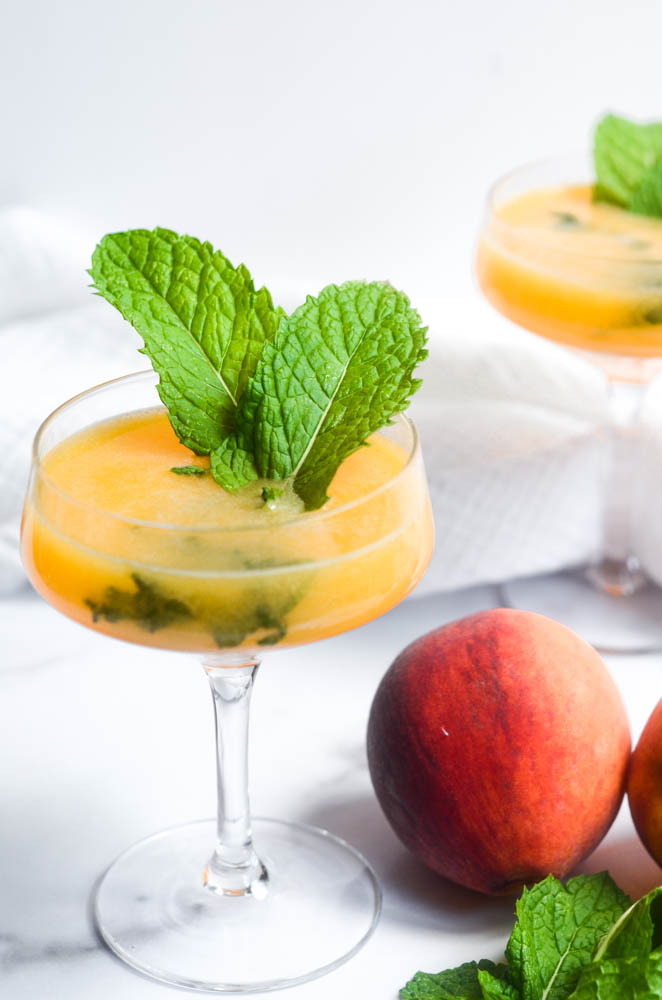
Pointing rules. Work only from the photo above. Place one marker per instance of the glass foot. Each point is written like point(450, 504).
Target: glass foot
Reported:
point(613, 623)
point(318, 905)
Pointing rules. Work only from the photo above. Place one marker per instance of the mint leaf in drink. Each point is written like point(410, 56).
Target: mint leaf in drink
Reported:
point(625, 155)
point(270, 496)
point(621, 979)
point(567, 220)
point(262, 612)
point(637, 932)
point(202, 321)
point(557, 930)
point(339, 368)
point(146, 605)
point(461, 983)
point(188, 470)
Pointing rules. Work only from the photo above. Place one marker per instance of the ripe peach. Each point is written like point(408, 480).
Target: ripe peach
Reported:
point(645, 785)
point(498, 747)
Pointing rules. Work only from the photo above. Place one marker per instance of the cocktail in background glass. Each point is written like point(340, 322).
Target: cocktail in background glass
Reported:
point(114, 539)
point(587, 275)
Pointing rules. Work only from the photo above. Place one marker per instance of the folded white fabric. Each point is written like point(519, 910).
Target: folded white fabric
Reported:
point(512, 427)
point(57, 339)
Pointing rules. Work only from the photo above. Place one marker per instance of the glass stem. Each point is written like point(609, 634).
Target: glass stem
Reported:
point(618, 571)
point(234, 868)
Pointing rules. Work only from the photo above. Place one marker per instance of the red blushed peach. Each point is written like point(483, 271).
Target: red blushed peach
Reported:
point(498, 748)
point(645, 785)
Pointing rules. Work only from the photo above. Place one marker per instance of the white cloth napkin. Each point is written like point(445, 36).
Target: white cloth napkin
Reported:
point(56, 340)
point(512, 426)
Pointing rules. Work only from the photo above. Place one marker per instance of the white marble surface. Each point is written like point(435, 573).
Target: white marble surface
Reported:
point(105, 743)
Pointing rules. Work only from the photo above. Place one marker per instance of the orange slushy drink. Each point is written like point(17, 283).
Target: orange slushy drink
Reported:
point(584, 273)
point(116, 540)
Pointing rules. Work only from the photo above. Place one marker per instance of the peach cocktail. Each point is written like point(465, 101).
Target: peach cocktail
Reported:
point(587, 275)
point(583, 273)
point(174, 561)
point(116, 540)
point(276, 497)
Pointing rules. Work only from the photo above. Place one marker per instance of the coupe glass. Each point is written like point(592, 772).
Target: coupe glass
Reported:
point(608, 307)
point(199, 905)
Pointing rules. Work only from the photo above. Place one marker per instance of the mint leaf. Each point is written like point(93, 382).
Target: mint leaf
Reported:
point(495, 988)
point(557, 931)
point(270, 495)
point(147, 605)
point(647, 198)
point(461, 983)
point(624, 152)
point(262, 610)
point(637, 932)
point(188, 470)
point(621, 979)
point(566, 220)
point(202, 322)
point(339, 368)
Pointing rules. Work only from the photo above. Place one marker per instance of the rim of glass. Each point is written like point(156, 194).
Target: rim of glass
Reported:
point(150, 374)
point(545, 161)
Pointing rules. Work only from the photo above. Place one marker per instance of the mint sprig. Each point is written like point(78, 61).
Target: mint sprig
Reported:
point(559, 933)
point(202, 321)
point(265, 395)
point(628, 158)
point(622, 979)
point(339, 368)
point(462, 983)
point(557, 930)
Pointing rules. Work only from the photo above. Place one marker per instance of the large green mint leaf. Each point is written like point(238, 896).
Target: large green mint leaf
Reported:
point(624, 152)
point(621, 979)
point(339, 368)
point(201, 319)
point(461, 983)
point(647, 199)
point(637, 932)
point(557, 931)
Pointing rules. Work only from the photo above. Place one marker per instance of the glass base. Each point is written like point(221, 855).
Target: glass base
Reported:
point(613, 623)
point(319, 905)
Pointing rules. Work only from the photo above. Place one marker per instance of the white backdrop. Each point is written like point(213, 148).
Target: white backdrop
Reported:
point(315, 141)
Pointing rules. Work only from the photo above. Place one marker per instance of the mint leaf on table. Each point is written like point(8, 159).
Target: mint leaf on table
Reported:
point(626, 154)
point(557, 930)
point(621, 979)
point(636, 933)
point(201, 319)
point(339, 368)
point(495, 988)
point(461, 983)
point(584, 941)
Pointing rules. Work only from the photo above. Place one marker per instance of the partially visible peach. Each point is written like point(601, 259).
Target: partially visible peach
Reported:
point(645, 785)
point(498, 748)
